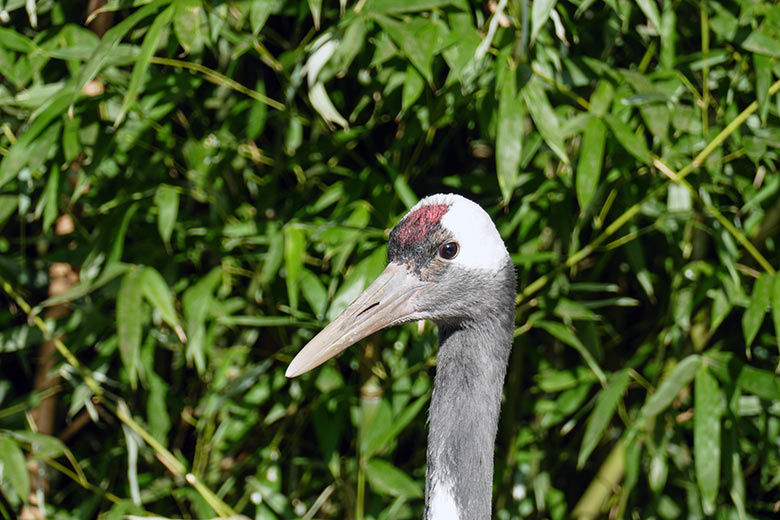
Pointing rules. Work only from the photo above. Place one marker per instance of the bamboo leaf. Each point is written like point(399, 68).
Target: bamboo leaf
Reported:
point(386, 479)
point(775, 298)
point(148, 48)
point(682, 374)
point(314, 292)
point(650, 8)
point(591, 159)
point(12, 40)
point(196, 302)
point(166, 198)
point(129, 318)
point(159, 295)
point(40, 443)
point(540, 13)
point(757, 308)
point(759, 382)
point(274, 257)
point(544, 117)
point(188, 24)
point(294, 250)
point(51, 198)
point(761, 43)
point(413, 88)
point(633, 144)
point(419, 50)
point(393, 7)
point(606, 404)
point(108, 43)
point(558, 330)
point(358, 279)
point(763, 68)
point(14, 468)
point(509, 134)
point(376, 418)
point(20, 152)
point(396, 426)
point(706, 437)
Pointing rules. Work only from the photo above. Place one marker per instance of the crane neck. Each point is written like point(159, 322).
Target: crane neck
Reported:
point(464, 413)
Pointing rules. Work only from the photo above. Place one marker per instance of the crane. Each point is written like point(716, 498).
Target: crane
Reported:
point(448, 264)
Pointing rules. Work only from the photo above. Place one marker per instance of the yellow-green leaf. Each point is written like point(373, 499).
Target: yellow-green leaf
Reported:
point(14, 467)
point(188, 25)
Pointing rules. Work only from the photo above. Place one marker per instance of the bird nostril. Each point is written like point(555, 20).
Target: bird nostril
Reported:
point(366, 309)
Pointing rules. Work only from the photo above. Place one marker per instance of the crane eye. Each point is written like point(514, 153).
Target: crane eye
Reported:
point(449, 250)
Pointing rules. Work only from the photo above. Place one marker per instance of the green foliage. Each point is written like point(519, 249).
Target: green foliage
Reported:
point(223, 176)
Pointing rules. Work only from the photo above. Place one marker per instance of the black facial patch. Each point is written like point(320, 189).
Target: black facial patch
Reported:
point(421, 256)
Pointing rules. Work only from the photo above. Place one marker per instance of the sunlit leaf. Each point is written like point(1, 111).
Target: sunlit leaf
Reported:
point(13, 467)
point(187, 25)
point(19, 154)
point(418, 47)
point(376, 418)
point(159, 295)
point(761, 43)
point(540, 13)
point(509, 134)
point(314, 292)
point(650, 9)
point(40, 443)
point(680, 377)
point(602, 414)
point(708, 407)
point(358, 279)
point(544, 117)
point(413, 87)
point(388, 479)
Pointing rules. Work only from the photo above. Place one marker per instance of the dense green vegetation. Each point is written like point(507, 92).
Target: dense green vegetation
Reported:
point(187, 199)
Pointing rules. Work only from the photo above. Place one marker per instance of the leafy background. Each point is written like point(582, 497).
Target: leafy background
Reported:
point(189, 190)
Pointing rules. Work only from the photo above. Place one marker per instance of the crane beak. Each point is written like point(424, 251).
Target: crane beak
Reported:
point(389, 300)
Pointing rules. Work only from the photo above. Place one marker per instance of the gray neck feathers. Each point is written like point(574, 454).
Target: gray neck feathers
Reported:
point(466, 402)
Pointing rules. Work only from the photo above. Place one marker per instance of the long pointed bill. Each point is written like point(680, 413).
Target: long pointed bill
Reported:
point(387, 301)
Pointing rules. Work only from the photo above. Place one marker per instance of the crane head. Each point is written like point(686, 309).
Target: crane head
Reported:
point(444, 257)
